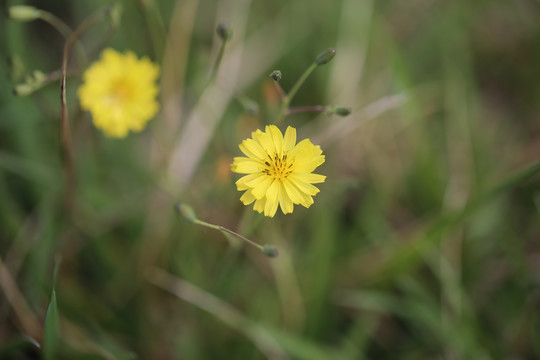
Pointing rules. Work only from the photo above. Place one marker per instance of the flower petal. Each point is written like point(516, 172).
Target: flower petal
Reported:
point(242, 183)
point(302, 185)
point(272, 202)
point(297, 196)
point(252, 149)
point(277, 138)
point(292, 192)
point(285, 203)
point(261, 187)
point(306, 156)
point(244, 165)
point(259, 205)
point(247, 198)
point(266, 141)
point(290, 139)
point(311, 178)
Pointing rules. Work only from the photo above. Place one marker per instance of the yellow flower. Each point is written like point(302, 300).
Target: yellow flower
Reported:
point(120, 92)
point(278, 171)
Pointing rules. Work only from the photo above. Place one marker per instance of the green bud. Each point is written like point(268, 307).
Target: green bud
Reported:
point(325, 56)
point(342, 110)
point(23, 90)
point(270, 251)
point(33, 82)
point(339, 110)
point(38, 76)
point(23, 13)
point(186, 211)
point(224, 31)
point(275, 75)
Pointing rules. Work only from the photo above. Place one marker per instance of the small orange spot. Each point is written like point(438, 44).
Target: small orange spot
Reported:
point(223, 169)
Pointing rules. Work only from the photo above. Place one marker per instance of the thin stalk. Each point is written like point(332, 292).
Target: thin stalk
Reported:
point(287, 99)
point(156, 26)
point(64, 123)
point(300, 109)
point(280, 90)
point(61, 27)
point(221, 228)
point(215, 67)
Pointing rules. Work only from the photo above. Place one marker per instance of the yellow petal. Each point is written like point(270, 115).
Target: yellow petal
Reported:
point(289, 140)
point(277, 138)
point(247, 198)
point(272, 202)
point(285, 203)
point(306, 156)
point(307, 202)
point(244, 165)
point(252, 149)
point(302, 185)
point(297, 196)
point(292, 192)
point(266, 141)
point(259, 205)
point(311, 178)
point(242, 183)
point(259, 191)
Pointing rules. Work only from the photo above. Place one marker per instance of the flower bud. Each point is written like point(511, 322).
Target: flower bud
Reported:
point(325, 56)
point(342, 110)
point(33, 82)
point(270, 251)
point(23, 90)
point(339, 110)
point(186, 211)
point(224, 31)
point(23, 13)
point(275, 75)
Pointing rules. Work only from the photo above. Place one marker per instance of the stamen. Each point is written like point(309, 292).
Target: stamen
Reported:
point(278, 167)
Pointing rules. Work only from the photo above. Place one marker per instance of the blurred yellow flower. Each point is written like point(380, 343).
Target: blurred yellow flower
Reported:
point(120, 92)
point(278, 171)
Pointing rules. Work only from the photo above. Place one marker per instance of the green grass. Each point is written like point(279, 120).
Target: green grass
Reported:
point(422, 244)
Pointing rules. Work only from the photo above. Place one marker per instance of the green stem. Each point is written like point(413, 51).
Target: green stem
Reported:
point(216, 63)
point(56, 23)
point(299, 109)
point(287, 99)
point(61, 27)
point(156, 26)
point(221, 228)
point(65, 133)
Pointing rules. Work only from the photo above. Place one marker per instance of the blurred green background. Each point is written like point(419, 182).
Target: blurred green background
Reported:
point(424, 242)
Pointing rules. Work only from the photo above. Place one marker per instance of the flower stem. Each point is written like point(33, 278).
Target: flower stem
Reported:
point(64, 123)
point(187, 212)
point(300, 109)
point(279, 90)
point(222, 228)
point(215, 67)
point(287, 99)
point(61, 27)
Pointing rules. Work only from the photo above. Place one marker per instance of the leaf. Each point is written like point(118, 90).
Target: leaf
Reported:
point(51, 335)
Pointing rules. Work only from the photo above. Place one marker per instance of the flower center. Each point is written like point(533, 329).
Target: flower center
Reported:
point(278, 167)
point(121, 91)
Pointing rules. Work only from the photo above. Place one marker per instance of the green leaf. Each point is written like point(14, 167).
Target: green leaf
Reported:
point(51, 335)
